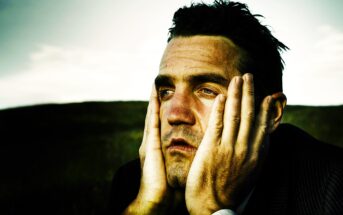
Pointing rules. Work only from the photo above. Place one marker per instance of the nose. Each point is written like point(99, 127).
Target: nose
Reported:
point(180, 109)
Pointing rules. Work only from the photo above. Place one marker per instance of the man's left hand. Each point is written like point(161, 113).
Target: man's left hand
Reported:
point(228, 160)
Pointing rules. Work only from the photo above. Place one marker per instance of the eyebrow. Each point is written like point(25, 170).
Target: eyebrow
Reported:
point(163, 80)
point(167, 80)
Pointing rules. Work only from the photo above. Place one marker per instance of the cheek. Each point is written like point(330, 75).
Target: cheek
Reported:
point(163, 115)
point(204, 108)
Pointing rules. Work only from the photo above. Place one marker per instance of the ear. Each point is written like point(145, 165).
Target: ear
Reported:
point(278, 106)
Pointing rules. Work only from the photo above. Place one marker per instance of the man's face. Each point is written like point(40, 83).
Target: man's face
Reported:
point(193, 71)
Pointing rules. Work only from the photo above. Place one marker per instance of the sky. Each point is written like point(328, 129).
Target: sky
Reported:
point(105, 50)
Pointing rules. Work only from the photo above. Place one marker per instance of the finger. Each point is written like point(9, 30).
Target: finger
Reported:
point(261, 126)
point(151, 149)
point(153, 124)
point(247, 114)
point(215, 123)
point(232, 112)
point(147, 118)
point(147, 124)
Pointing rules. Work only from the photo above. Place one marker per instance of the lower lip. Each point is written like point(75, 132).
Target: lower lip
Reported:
point(182, 148)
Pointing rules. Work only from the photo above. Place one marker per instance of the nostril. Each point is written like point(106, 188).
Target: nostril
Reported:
point(181, 115)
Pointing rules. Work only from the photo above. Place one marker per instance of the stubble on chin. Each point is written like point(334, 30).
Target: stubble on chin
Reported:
point(177, 172)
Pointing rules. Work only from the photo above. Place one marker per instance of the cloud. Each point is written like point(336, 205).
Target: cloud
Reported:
point(317, 72)
point(65, 74)
point(328, 51)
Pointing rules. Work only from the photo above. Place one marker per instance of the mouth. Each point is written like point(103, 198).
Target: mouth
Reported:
point(180, 145)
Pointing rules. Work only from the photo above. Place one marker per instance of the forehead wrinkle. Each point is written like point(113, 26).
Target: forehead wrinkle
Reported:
point(208, 56)
point(191, 63)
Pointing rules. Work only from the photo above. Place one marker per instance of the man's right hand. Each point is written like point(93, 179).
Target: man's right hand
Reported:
point(154, 193)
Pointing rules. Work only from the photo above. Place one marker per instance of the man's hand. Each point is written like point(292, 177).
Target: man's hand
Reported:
point(153, 192)
point(229, 157)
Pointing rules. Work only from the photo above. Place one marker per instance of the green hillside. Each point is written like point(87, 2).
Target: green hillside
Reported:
point(324, 123)
point(59, 159)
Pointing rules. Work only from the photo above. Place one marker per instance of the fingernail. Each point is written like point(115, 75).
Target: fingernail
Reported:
point(238, 80)
point(250, 76)
point(233, 79)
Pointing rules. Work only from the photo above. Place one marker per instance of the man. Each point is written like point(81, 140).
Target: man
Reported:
point(212, 139)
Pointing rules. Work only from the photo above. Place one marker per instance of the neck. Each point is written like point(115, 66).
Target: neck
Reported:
point(179, 203)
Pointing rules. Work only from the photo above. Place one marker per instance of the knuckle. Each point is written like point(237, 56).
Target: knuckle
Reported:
point(250, 91)
point(249, 115)
point(240, 149)
point(218, 125)
point(219, 111)
point(263, 128)
point(235, 119)
point(240, 154)
point(213, 133)
point(236, 94)
point(253, 161)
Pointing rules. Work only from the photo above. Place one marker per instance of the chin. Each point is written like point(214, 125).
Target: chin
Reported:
point(177, 174)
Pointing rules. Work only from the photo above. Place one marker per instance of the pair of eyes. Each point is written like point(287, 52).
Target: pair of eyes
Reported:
point(166, 93)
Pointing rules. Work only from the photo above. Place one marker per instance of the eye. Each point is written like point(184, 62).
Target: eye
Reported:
point(165, 94)
point(208, 92)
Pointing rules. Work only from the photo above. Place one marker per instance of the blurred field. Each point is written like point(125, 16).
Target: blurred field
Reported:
point(324, 123)
point(59, 159)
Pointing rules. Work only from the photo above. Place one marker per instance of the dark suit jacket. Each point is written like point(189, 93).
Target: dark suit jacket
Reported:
point(300, 176)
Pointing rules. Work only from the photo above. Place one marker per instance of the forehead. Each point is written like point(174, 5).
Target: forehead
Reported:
point(200, 54)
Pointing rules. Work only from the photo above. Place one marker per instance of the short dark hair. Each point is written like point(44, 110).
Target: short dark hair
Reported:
point(260, 50)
